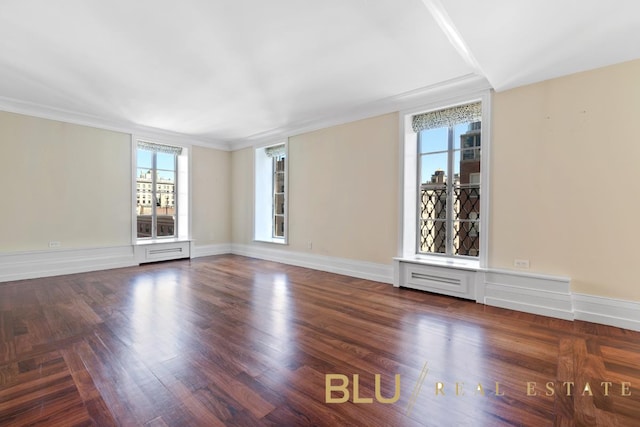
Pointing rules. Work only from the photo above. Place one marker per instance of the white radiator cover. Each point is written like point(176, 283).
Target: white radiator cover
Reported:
point(443, 280)
point(152, 252)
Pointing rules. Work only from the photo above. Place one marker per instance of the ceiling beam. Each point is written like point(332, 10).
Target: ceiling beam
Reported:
point(443, 19)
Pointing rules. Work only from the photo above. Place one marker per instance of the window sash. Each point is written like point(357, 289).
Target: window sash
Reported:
point(443, 208)
point(155, 190)
point(279, 195)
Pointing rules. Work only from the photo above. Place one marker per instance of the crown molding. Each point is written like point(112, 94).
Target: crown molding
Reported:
point(50, 113)
point(404, 101)
point(407, 100)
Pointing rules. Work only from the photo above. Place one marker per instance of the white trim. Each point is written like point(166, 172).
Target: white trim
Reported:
point(408, 173)
point(531, 293)
point(407, 100)
point(446, 280)
point(31, 265)
point(157, 250)
point(45, 112)
point(348, 267)
point(133, 187)
point(485, 176)
point(528, 292)
point(263, 194)
point(199, 251)
point(462, 85)
point(607, 311)
point(442, 261)
point(275, 240)
point(182, 190)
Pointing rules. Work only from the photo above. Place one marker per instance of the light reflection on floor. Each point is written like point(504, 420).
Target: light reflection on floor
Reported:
point(427, 338)
point(273, 311)
point(155, 325)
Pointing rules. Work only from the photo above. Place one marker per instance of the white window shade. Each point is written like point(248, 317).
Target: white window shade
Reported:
point(448, 117)
point(275, 150)
point(159, 148)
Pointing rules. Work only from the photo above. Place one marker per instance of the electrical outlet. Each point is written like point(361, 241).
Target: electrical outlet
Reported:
point(521, 263)
point(54, 244)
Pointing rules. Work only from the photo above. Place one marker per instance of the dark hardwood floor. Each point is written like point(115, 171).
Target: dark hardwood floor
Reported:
point(230, 340)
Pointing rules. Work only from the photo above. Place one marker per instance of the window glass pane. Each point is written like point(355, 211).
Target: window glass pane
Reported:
point(166, 161)
point(466, 221)
point(278, 196)
point(449, 197)
point(278, 204)
point(433, 236)
point(468, 140)
point(144, 194)
point(433, 168)
point(434, 140)
point(155, 194)
point(278, 226)
point(144, 159)
point(165, 225)
point(466, 136)
point(143, 174)
point(433, 203)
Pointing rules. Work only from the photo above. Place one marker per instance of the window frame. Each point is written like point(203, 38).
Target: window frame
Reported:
point(182, 194)
point(450, 186)
point(410, 181)
point(264, 215)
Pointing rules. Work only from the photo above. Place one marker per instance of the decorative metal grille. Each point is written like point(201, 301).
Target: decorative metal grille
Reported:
point(465, 232)
point(433, 215)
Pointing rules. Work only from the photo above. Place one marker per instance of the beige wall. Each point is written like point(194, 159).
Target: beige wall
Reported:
point(72, 184)
point(210, 195)
point(343, 191)
point(62, 182)
point(564, 170)
point(242, 196)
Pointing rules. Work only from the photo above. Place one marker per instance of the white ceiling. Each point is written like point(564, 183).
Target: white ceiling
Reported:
point(228, 71)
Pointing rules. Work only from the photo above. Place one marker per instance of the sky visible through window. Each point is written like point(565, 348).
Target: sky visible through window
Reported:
point(165, 166)
point(435, 142)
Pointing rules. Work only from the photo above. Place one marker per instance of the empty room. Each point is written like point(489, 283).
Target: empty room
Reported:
point(337, 213)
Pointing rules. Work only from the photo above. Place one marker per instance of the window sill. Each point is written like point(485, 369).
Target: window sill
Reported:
point(272, 240)
point(156, 241)
point(436, 261)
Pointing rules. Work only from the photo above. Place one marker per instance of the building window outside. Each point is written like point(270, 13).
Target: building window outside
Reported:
point(449, 168)
point(278, 195)
point(270, 213)
point(156, 188)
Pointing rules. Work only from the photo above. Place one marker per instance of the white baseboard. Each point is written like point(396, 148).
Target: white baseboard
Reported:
point(198, 251)
point(531, 293)
point(348, 267)
point(608, 311)
point(31, 265)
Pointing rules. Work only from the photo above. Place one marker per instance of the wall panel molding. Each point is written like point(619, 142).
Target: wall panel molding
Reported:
point(531, 293)
point(354, 268)
point(31, 265)
point(198, 251)
point(607, 311)
point(527, 292)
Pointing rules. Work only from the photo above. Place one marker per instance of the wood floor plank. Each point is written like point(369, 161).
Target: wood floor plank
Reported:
point(230, 340)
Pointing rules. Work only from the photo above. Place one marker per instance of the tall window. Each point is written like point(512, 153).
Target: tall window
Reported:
point(270, 222)
point(156, 190)
point(449, 169)
point(278, 194)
